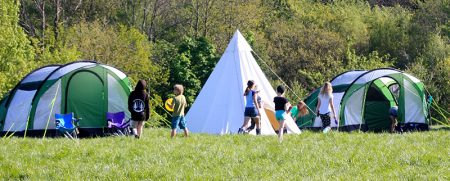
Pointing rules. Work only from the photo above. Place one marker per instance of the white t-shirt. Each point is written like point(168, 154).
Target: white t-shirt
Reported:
point(325, 103)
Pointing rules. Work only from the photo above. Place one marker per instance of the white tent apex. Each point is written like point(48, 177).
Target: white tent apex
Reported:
point(238, 43)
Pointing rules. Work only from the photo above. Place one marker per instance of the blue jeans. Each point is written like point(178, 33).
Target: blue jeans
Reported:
point(178, 121)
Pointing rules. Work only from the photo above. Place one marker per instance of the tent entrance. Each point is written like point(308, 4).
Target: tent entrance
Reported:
point(85, 98)
point(378, 101)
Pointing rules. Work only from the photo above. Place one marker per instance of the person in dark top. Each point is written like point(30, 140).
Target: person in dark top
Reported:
point(282, 106)
point(139, 107)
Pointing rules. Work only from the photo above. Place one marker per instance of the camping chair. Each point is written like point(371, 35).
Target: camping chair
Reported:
point(67, 125)
point(117, 123)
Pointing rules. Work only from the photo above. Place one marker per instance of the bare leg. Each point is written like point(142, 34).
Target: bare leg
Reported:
point(280, 131)
point(246, 120)
point(186, 132)
point(173, 133)
point(140, 125)
point(393, 123)
point(258, 126)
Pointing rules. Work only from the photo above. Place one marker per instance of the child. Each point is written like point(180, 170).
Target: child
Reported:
point(178, 105)
point(325, 106)
point(251, 111)
point(138, 107)
point(282, 105)
point(393, 116)
point(297, 112)
point(253, 122)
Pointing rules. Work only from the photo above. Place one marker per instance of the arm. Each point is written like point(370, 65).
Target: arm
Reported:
point(332, 108)
point(317, 107)
point(287, 107)
point(130, 107)
point(147, 111)
point(172, 106)
point(255, 100)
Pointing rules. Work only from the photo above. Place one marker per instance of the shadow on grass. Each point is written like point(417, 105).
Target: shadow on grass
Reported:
point(439, 128)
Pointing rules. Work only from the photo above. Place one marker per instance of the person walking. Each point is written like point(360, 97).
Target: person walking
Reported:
point(178, 105)
point(251, 107)
point(325, 106)
point(138, 105)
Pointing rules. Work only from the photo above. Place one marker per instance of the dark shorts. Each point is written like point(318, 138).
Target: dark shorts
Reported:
point(178, 121)
point(251, 112)
point(325, 119)
point(393, 112)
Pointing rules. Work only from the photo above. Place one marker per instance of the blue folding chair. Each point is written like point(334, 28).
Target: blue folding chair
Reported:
point(67, 125)
point(117, 124)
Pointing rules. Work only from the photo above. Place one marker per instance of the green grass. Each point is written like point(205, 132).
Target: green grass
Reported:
point(309, 156)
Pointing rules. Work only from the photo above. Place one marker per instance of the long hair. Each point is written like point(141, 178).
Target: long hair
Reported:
point(250, 84)
point(141, 86)
point(302, 110)
point(326, 89)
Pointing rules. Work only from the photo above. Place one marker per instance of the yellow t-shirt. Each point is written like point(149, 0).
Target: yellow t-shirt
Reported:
point(179, 105)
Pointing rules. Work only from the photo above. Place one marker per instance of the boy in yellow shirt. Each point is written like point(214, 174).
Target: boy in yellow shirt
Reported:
point(178, 105)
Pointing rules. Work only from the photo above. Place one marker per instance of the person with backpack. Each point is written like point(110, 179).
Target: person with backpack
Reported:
point(138, 105)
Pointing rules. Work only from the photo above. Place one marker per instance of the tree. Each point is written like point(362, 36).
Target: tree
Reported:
point(16, 53)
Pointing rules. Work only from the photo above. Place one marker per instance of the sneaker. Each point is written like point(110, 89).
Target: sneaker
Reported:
point(240, 131)
point(326, 129)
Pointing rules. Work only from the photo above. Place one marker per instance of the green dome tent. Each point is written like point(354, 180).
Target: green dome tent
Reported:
point(362, 100)
point(86, 88)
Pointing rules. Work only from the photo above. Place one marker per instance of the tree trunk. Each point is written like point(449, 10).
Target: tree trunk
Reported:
point(40, 5)
point(25, 21)
point(209, 5)
point(144, 17)
point(57, 18)
point(150, 32)
point(197, 18)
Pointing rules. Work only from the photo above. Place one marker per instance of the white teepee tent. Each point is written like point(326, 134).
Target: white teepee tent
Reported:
point(219, 108)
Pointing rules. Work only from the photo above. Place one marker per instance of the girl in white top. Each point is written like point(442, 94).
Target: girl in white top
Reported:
point(325, 105)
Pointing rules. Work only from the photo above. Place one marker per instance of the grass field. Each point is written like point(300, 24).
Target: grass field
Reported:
point(309, 156)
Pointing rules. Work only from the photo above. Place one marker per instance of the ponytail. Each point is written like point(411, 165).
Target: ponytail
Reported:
point(250, 84)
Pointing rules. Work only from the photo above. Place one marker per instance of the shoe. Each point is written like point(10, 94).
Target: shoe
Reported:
point(258, 131)
point(137, 136)
point(325, 130)
point(240, 131)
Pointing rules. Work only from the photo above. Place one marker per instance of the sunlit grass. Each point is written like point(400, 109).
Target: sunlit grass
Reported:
point(317, 156)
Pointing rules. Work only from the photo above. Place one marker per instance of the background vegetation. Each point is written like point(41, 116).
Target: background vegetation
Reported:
point(165, 42)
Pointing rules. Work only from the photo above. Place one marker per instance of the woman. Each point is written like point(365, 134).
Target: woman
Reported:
point(139, 107)
point(297, 112)
point(325, 106)
point(251, 107)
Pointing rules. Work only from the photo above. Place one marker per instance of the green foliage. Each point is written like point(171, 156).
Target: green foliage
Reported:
point(16, 53)
point(124, 48)
point(309, 156)
point(52, 51)
point(189, 64)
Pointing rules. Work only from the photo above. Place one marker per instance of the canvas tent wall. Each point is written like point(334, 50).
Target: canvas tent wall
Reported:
point(86, 88)
point(219, 108)
point(362, 100)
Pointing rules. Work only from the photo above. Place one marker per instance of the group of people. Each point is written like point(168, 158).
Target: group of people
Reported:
point(138, 105)
point(283, 108)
